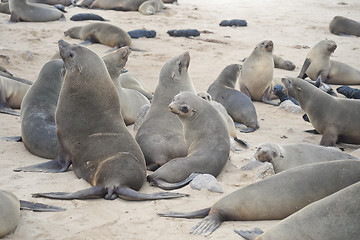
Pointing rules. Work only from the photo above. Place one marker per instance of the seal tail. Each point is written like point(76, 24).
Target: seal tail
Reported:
point(39, 207)
point(250, 235)
point(196, 214)
point(132, 195)
point(171, 186)
point(89, 193)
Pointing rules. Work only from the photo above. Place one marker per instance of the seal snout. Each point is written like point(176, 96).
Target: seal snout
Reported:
point(173, 108)
point(185, 59)
point(268, 45)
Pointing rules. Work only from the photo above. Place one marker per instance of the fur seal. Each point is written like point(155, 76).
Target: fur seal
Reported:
point(287, 156)
point(333, 117)
point(103, 33)
point(86, 16)
point(281, 63)
point(9, 212)
point(336, 218)
point(33, 12)
point(237, 104)
point(120, 5)
point(92, 133)
point(54, 2)
point(349, 92)
point(277, 196)
point(150, 7)
point(4, 8)
point(130, 81)
point(344, 26)
point(329, 71)
point(194, 113)
point(161, 136)
point(257, 74)
point(38, 130)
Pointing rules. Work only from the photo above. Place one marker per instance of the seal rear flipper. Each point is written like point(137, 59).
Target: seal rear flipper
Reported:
point(207, 226)
point(250, 235)
point(51, 166)
point(242, 142)
point(14, 18)
point(10, 111)
point(158, 182)
point(39, 207)
point(11, 139)
point(247, 130)
point(305, 67)
point(196, 214)
point(132, 195)
point(89, 193)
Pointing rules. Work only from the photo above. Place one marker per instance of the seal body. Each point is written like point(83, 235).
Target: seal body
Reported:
point(344, 26)
point(287, 156)
point(150, 7)
point(38, 130)
point(103, 33)
point(120, 5)
point(257, 73)
point(349, 92)
point(4, 8)
point(237, 104)
point(9, 212)
point(161, 136)
point(331, 116)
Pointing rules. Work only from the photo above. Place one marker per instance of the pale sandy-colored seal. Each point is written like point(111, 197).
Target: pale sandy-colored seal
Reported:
point(287, 156)
point(282, 63)
point(128, 80)
point(92, 133)
point(9, 212)
point(237, 104)
point(38, 130)
point(344, 26)
point(257, 74)
point(277, 196)
point(33, 12)
point(161, 136)
point(336, 218)
point(120, 5)
point(150, 7)
point(103, 33)
point(54, 2)
point(333, 117)
point(207, 148)
point(329, 71)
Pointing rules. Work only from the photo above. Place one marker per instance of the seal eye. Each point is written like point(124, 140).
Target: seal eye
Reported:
point(71, 55)
point(184, 109)
point(263, 43)
point(180, 64)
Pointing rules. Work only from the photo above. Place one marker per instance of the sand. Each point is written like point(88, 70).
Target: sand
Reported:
point(294, 27)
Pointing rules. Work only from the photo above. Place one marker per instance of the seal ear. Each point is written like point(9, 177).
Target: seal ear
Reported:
point(298, 88)
point(172, 75)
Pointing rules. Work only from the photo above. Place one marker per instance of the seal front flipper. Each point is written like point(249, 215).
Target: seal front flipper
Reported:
point(250, 235)
point(158, 182)
point(305, 66)
point(196, 214)
point(89, 193)
point(132, 195)
point(8, 110)
point(242, 142)
point(208, 225)
point(51, 166)
point(39, 207)
point(266, 97)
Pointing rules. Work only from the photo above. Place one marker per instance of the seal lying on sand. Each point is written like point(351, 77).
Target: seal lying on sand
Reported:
point(207, 152)
point(120, 5)
point(92, 133)
point(349, 92)
point(150, 7)
point(344, 26)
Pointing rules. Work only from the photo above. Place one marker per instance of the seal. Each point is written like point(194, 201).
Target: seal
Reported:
point(277, 196)
point(92, 133)
point(4, 8)
point(86, 16)
point(38, 130)
point(329, 71)
point(326, 113)
point(130, 81)
point(349, 92)
point(237, 104)
point(103, 33)
point(344, 26)
point(9, 212)
point(207, 152)
point(54, 2)
point(120, 5)
point(161, 136)
point(287, 156)
point(344, 207)
point(150, 7)
point(12, 93)
point(33, 12)
point(281, 63)
point(257, 74)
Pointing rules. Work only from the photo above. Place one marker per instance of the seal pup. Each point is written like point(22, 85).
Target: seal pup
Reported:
point(277, 196)
point(150, 7)
point(336, 218)
point(120, 5)
point(329, 71)
point(344, 26)
point(237, 104)
point(21, 10)
point(281, 63)
point(92, 133)
point(161, 136)
point(38, 130)
point(194, 113)
point(287, 156)
point(130, 81)
point(257, 74)
point(103, 33)
point(349, 92)
point(333, 117)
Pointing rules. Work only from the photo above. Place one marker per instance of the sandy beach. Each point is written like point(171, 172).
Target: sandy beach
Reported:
point(293, 26)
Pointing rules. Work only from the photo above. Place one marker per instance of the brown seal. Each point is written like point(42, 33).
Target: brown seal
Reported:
point(207, 152)
point(257, 74)
point(278, 196)
point(237, 104)
point(103, 33)
point(333, 117)
point(161, 136)
point(344, 26)
point(329, 71)
point(120, 5)
point(92, 133)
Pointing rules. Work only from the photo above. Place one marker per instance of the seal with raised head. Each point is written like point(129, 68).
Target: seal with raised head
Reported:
point(287, 156)
point(336, 218)
point(103, 33)
point(92, 133)
point(21, 10)
point(344, 26)
point(207, 152)
point(333, 117)
point(257, 74)
point(161, 136)
point(120, 5)
point(278, 196)
point(38, 130)
point(150, 7)
point(237, 104)
point(329, 71)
